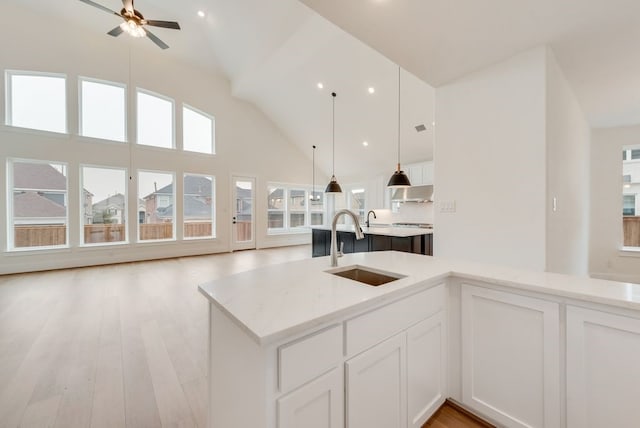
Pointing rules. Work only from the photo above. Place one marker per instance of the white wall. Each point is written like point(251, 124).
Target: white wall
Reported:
point(490, 159)
point(568, 147)
point(247, 143)
point(605, 258)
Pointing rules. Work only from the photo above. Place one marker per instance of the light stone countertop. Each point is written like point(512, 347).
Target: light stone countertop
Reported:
point(274, 302)
point(399, 232)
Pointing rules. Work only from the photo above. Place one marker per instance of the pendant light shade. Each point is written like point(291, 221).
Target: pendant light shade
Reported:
point(333, 186)
point(399, 178)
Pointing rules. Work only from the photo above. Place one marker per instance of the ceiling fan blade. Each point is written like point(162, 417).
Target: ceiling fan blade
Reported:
point(116, 31)
point(99, 6)
point(128, 5)
point(163, 24)
point(156, 40)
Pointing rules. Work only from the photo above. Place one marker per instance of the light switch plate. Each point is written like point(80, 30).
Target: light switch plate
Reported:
point(448, 206)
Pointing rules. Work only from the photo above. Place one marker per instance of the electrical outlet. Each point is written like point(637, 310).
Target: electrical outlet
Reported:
point(448, 206)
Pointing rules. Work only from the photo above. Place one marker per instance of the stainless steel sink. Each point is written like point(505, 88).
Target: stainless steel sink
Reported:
point(366, 275)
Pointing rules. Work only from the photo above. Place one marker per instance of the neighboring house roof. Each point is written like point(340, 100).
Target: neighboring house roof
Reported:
point(38, 176)
point(31, 204)
point(193, 185)
point(194, 207)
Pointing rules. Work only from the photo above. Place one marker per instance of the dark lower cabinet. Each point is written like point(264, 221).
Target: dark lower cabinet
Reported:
point(321, 243)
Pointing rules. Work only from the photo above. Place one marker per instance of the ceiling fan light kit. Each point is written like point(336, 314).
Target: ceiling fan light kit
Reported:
point(134, 22)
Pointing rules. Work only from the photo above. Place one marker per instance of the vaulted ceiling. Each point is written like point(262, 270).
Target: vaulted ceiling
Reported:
point(275, 52)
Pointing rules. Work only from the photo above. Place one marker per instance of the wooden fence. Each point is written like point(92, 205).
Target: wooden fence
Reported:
point(631, 228)
point(100, 233)
point(35, 235)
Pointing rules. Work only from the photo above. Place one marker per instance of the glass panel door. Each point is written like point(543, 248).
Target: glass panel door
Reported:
point(243, 224)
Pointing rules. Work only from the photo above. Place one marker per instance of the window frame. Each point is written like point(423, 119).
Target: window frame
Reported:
point(213, 208)
point(126, 240)
point(124, 86)
point(137, 117)
point(213, 129)
point(10, 226)
point(8, 111)
point(287, 211)
point(138, 197)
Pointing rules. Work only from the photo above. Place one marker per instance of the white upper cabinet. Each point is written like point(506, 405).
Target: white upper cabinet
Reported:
point(420, 173)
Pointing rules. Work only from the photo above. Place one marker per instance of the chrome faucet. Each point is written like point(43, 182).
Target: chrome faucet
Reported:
point(374, 216)
point(334, 225)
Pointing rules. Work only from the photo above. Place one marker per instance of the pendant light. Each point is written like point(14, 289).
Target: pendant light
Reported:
point(399, 178)
point(313, 178)
point(333, 186)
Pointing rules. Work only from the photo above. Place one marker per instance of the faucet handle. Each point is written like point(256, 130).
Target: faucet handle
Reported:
point(341, 251)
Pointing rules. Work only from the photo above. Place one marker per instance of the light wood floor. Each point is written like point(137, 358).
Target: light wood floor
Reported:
point(112, 346)
point(449, 415)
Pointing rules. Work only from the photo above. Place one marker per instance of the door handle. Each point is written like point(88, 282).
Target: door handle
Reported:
point(234, 220)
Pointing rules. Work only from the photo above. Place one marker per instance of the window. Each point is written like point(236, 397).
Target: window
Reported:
point(291, 209)
point(356, 202)
point(198, 207)
point(630, 188)
point(104, 205)
point(36, 101)
point(156, 196)
point(317, 208)
point(297, 208)
point(38, 210)
point(197, 131)
point(276, 207)
point(155, 120)
point(103, 110)
point(629, 205)
point(624, 155)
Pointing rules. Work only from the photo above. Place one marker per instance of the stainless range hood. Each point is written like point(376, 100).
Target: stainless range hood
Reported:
point(422, 193)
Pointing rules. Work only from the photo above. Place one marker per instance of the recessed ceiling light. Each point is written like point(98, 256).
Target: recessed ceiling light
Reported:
point(364, 143)
point(320, 85)
point(372, 89)
point(201, 14)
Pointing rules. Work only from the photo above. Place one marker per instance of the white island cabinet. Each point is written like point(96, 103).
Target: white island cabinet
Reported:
point(511, 357)
point(603, 379)
point(294, 346)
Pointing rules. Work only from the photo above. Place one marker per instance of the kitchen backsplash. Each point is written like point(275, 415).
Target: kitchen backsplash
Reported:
point(407, 213)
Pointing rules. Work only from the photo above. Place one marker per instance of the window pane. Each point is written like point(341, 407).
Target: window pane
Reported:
point(629, 205)
point(317, 219)
point(624, 155)
point(104, 205)
point(198, 206)
point(39, 214)
point(38, 102)
point(297, 207)
point(635, 154)
point(197, 131)
point(155, 121)
point(276, 207)
point(156, 209)
point(317, 209)
point(103, 111)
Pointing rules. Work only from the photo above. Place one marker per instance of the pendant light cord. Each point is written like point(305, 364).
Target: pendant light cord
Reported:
point(313, 162)
point(333, 161)
point(398, 118)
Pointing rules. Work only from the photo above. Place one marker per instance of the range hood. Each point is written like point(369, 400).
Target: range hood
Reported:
point(413, 194)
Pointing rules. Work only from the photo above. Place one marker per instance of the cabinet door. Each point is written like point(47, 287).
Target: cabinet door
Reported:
point(348, 238)
point(320, 242)
point(511, 357)
point(376, 386)
point(319, 404)
point(379, 243)
point(426, 368)
point(415, 174)
point(603, 379)
point(402, 244)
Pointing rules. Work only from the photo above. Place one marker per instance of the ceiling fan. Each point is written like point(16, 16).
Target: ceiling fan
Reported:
point(134, 22)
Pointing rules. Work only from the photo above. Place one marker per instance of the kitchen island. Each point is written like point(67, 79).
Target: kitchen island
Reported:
point(294, 345)
point(377, 238)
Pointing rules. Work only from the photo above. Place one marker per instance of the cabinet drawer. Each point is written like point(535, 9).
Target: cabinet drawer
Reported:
point(309, 357)
point(373, 327)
